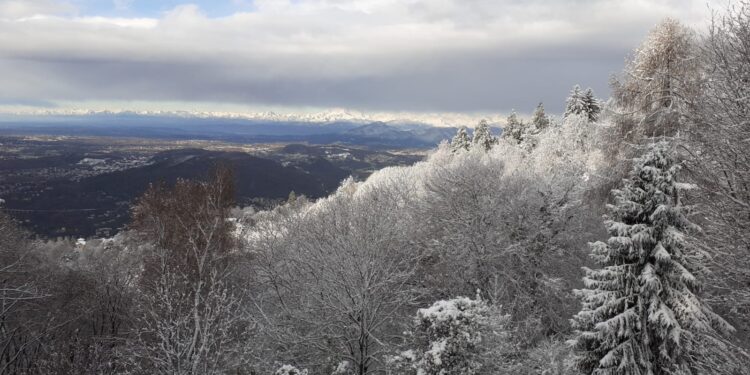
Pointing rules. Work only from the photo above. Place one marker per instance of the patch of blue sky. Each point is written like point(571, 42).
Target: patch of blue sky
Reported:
point(157, 8)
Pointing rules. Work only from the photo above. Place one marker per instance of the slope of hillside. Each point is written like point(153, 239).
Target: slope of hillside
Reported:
point(102, 201)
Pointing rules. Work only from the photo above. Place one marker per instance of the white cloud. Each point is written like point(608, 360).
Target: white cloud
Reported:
point(13, 9)
point(456, 55)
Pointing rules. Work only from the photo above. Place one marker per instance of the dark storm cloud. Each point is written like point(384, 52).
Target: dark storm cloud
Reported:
point(440, 55)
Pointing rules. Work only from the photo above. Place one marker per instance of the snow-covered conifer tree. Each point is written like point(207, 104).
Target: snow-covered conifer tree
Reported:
point(483, 136)
point(592, 105)
point(640, 310)
point(514, 129)
point(461, 141)
point(575, 104)
point(290, 370)
point(582, 104)
point(449, 333)
point(539, 120)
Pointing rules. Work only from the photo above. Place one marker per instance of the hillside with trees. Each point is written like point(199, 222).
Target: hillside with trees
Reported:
point(611, 240)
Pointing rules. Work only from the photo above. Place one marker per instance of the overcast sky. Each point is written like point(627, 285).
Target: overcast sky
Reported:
point(465, 56)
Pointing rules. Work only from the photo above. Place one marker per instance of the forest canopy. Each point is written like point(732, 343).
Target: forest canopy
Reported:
point(610, 240)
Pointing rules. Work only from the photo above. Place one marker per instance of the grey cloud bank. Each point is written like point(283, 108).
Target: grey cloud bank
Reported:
point(386, 55)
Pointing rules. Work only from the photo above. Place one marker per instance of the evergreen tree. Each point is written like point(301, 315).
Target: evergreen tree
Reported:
point(514, 129)
point(448, 338)
point(592, 105)
point(540, 119)
point(583, 104)
point(290, 370)
point(483, 136)
point(292, 197)
point(461, 140)
point(574, 103)
point(640, 311)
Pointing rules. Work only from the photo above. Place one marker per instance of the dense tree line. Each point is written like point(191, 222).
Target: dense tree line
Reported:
point(468, 262)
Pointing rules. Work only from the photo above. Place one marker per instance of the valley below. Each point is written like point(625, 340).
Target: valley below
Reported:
point(84, 186)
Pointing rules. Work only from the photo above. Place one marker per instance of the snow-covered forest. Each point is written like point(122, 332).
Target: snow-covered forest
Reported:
point(614, 239)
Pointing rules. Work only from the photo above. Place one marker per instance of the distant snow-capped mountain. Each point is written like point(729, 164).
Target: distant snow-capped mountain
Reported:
point(400, 119)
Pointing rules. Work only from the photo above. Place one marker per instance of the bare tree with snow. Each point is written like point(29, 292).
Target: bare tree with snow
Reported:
point(338, 275)
point(192, 321)
point(719, 160)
